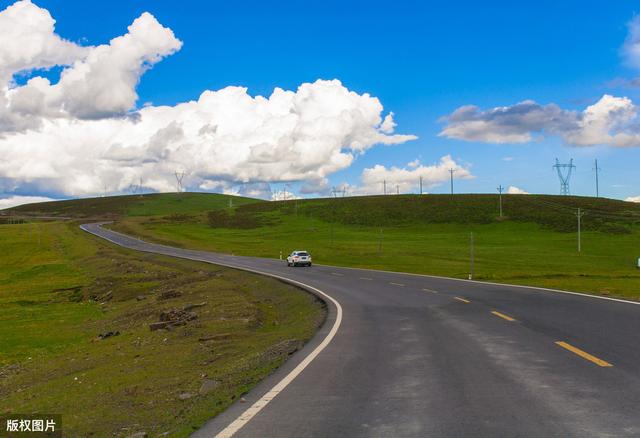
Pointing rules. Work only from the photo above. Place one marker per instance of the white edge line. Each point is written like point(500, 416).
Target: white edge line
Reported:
point(522, 286)
point(248, 414)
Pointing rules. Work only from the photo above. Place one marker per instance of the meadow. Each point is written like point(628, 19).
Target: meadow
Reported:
point(75, 335)
point(535, 242)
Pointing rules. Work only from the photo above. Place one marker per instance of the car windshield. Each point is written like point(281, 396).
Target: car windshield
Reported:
point(303, 254)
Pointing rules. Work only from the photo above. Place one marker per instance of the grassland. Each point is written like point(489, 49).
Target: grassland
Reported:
point(60, 289)
point(534, 243)
point(153, 204)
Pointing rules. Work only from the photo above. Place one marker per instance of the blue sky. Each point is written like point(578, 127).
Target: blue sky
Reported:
point(422, 61)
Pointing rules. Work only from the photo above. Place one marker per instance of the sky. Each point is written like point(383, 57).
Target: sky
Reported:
point(265, 98)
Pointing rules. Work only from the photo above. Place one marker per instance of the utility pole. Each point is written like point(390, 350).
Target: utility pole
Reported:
point(596, 168)
point(580, 213)
point(500, 189)
point(384, 186)
point(451, 172)
point(471, 256)
point(421, 184)
point(397, 189)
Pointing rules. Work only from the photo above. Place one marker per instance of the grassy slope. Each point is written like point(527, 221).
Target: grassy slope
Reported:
point(50, 360)
point(535, 244)
point(132, 205)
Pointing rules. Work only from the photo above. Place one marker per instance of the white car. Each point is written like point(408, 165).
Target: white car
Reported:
point(299, 258)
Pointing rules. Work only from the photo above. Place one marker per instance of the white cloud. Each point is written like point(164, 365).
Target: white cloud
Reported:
point(611, 121)
point(407, 179)
point(14, 201)
point(631, 47)
point(102, 83)
point(83, 134)
point(633, 199)
point(513, 190)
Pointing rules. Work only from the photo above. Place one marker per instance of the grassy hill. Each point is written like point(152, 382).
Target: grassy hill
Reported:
point(131, 205)
point(534, 243)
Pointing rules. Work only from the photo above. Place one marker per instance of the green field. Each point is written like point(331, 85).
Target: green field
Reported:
point(534, 243)
point(133, 205)
point(60, 288)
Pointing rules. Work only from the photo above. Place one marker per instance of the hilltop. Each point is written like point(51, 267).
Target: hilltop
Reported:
point(131, 205)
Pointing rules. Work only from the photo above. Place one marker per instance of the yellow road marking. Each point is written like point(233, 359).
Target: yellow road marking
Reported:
point(366, 278)
point(584, 354)
point(502, 315)
point(429, 290)
point(396, 284)
point(335, 273)
point(461, 299)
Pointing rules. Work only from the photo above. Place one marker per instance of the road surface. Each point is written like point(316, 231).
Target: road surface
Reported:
point(415, 356)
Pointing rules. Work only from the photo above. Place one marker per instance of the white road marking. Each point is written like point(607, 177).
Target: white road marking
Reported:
point(430, 290)
point(506, 285)
point(247, 415)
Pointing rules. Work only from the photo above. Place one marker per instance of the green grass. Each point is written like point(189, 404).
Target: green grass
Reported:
point(155, 204)
point(534, 244)
point(55, 283)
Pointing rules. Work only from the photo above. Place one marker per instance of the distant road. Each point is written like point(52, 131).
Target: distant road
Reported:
point(404, 355)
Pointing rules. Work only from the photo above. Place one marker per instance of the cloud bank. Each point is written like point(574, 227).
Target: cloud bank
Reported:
point(83, 135)
point(407, 179)
point(513, 190)
point(611, 121)
point(633, 199)
point(14, 201)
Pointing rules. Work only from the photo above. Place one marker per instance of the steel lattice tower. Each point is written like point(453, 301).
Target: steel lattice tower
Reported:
point(564, 177)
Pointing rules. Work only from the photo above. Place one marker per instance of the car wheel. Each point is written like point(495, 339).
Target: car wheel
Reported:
point(309, 265)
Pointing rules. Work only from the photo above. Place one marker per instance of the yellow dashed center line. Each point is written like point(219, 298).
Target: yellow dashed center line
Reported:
point(366, 278)
point(584, 354)
point(461, 299)
point(429, 290)
point(502, 315)
point(396, 284)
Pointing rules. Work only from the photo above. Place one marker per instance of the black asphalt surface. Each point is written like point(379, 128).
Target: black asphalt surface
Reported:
point(410, 362)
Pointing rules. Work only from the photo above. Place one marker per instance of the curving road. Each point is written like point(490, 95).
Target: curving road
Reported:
point(417, 356)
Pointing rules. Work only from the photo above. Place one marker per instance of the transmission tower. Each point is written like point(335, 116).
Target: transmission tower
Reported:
point(564, 174)
point(179, 178)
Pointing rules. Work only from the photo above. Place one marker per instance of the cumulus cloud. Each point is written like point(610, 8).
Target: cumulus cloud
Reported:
point(610, 121)
point(84, 135)
point(14, 201)
point(633, 199)
point(407, 179)
point(100, 82)
point(513, 190)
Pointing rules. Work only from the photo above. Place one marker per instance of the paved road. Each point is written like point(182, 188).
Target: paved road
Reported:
point(420, 356)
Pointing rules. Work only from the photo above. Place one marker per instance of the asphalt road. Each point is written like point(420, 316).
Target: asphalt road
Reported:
point(416, 356)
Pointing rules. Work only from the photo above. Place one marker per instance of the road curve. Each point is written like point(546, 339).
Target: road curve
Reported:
point(421, 356)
